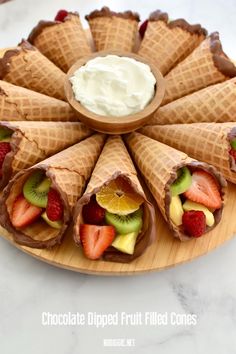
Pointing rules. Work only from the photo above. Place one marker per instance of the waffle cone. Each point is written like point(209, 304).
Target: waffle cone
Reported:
point(115, 161)
point(25, 66)
point(69, 171)
point(114, 33)
point(216, 103)
point(61, 42)
point(20, 104)
point(208, 142)
point(168, 43)
point(32, 142)
point(158, 163)
point(206, 65)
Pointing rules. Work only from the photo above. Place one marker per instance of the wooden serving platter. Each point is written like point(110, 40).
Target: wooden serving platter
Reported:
point(164, 253)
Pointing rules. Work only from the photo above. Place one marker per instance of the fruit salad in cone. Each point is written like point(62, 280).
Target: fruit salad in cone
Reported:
point(37, 204)
point(189, 193)
point(63, 40)
point(213, 143)
point(113, 220)
point(23, 144)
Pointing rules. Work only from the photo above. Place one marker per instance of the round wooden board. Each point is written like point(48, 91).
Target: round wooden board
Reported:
point(164, 253)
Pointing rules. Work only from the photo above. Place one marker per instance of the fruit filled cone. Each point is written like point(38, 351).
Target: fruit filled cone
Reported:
point(113, 30)
point(216, 103)
point(25, 66)
point(68, 171)
point(20, 104)
point(62, 42)
point(158, 164)
point(166, 43)
point(208, 142)
point(113, 162)
point(206, 65)
point(31, 142)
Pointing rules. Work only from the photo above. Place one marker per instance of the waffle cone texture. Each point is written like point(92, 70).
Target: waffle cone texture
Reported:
point(68, 170)
point(32, 142)
point(20, 104)
point(113, 31)
point(61, 42)
point(208, 142)
point(205, 66)
point(25, 66)
point(158, 164)
point(168, 43)
point(115, 161)
point(216, 103)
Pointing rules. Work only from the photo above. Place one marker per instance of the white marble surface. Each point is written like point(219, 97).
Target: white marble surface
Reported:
point(205, 287)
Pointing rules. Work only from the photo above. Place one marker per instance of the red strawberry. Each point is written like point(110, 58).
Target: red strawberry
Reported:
point(24, 213)
point(5, 148)
point(194, 223)
point(61, 15)
point(204, 190)
point(54, 209)
point(93, 213)
point(233, 153)
point(142, 28)
point(96, 239)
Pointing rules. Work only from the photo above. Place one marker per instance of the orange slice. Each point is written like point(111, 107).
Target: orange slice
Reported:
point(118, 197)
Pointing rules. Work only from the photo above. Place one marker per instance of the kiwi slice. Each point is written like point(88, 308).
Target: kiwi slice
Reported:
point(36, 189)
point(125, 224)
point(55, 224)
point(182, 183)
point(233, 144)
point(5, 134)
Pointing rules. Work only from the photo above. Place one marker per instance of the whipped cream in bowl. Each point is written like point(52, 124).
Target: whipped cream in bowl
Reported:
point(114, 92)
point(113, 85)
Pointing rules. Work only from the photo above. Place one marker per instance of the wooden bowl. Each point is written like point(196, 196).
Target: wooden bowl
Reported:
point(109, 124)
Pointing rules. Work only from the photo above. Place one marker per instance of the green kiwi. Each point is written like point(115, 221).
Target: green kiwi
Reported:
point(125, 224)
point(36, 189)
point(233, 143)
point(55, 224)
point(5, 134)
point(182, 183)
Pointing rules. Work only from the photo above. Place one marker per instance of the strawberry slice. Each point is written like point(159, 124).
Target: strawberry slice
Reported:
point(204, 190)
point(96, 239)
point(61, 15)
point(5, 148)
point(54, 207)
point(24, 213)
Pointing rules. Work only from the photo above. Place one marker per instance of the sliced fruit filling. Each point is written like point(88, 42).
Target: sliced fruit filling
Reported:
point(112, 218)
point(5, 147)
point(37, 200)
point(232, 151)
point(195, 197)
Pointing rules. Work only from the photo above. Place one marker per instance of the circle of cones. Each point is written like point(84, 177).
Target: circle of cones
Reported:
point(196, 117)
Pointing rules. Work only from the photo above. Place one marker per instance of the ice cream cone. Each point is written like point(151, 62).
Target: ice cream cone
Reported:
point(216, 103)
point(32, 142)
point(20, 104)
point(205, 66)
point(25, 66)
point(69, 170)
point(166, 43)
point(61, 42)
point(115, 161)
point(208, 142)
point(158, 164)
point(112, 30)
